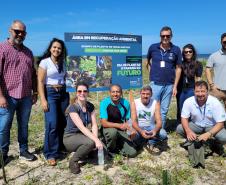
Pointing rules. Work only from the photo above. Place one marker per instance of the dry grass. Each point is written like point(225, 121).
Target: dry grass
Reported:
point(144, 169)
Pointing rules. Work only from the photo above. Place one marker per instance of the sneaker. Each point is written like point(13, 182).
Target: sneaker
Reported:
point(26, 155)
point(74, 167)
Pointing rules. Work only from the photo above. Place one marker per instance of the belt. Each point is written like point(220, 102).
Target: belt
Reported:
point(55, 86)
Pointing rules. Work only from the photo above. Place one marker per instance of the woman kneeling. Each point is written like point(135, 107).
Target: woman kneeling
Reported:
point(81, 132)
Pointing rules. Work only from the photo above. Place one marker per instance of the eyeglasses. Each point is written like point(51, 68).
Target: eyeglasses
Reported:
point(189, 51)
point(17, 32)
point(167, 36)
point(80, 91)
point(224, 42)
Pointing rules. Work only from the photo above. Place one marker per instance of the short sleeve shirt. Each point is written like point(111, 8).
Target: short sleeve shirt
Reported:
point(114, 113)
point(207, 115)
point(84, 116)
point(217, 61)
point(164, 63)
point(53, 77)
point(16, 70)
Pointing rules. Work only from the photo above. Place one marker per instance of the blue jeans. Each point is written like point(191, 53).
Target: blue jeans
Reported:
point(185, 94)
point(22, 107)
point(162, 93)
point(181, 97)
point(140, 141)
point(55, 121)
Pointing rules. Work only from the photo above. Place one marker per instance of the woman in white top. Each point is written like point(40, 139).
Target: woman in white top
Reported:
point(54, 98)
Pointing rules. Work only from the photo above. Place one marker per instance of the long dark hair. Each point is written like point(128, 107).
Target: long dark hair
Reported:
point(62, 56)
point(189, 67)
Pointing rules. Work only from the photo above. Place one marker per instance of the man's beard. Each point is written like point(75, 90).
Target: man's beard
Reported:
point(18, 40)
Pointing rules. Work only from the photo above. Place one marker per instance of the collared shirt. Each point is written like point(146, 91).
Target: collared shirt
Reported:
point(209, 114)
point(16, 70)
point(164, 63)
point(217, 61)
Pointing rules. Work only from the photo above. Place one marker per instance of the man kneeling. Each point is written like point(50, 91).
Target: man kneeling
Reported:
point(146, 118)
point(203, 117)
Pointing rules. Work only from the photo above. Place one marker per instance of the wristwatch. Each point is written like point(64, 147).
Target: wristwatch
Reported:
point(211, 134)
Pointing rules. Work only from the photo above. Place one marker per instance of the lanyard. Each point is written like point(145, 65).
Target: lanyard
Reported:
point(163, 53)
point(85, 115)
point(204, 111)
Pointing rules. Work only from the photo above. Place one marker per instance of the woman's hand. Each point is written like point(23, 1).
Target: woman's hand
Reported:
point(44, 104)
point(99, 144)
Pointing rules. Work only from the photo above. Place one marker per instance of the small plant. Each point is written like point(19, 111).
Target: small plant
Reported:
point(118, 159)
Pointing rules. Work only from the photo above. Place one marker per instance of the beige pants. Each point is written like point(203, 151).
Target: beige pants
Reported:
point(220, 94)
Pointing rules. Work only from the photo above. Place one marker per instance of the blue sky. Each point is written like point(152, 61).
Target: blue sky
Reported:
point(198, 22)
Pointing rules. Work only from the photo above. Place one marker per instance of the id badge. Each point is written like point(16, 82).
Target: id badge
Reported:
point(162, 63)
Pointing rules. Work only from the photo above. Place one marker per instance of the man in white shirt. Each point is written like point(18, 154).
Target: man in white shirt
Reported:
point(146, 118)
point(203, 117)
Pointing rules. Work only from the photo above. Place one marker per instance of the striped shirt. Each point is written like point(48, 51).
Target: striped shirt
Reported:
point(16, 70)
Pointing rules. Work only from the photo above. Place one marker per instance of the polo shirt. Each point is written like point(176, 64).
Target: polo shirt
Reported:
point(115, 113)
point(163, 74)
point(217, 61)
point(208, 115)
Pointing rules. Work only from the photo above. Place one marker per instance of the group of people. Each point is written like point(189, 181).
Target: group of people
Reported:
point(126, 126)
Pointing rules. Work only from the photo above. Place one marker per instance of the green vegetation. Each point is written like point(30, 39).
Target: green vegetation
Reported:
point(144, 169)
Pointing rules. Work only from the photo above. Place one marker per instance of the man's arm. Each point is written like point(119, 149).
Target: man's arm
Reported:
point(34, 85)
point(209, 78)
point(3, 101)
point(143, 133)
point(177, 78)
point(212, 132)
point(108, 124)
point(191, 136)
point(148, 61)
point(134, 117)
point(158, 121)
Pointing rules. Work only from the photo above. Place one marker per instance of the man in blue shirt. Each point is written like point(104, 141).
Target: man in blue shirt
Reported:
point(164, 61)
point(114, 115)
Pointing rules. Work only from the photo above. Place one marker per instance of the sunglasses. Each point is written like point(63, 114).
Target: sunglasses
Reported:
point(224, 42)
point(189, 51)
point(167, 36)
point(17, 32)
point(80, 91)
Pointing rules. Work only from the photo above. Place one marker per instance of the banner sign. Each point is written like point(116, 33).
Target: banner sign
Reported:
point(101, 59)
